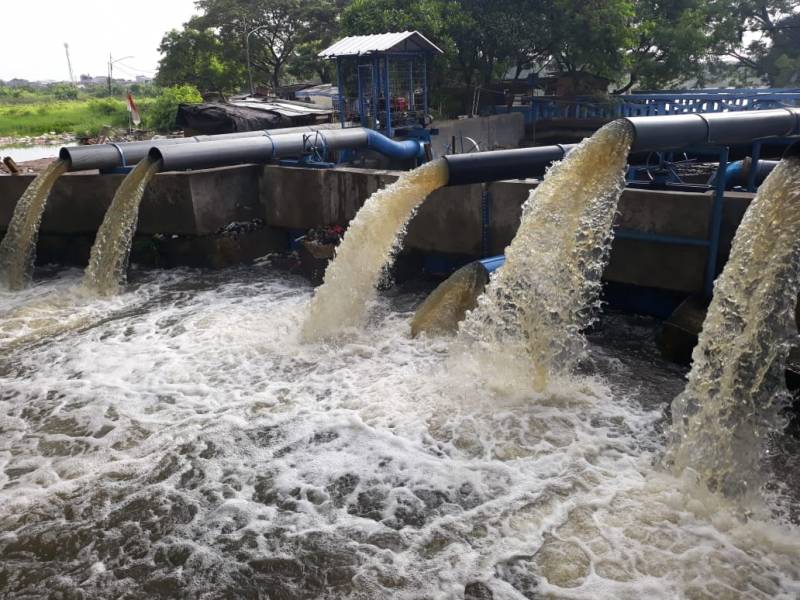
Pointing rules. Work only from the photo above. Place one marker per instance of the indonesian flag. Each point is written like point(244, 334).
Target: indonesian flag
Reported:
point(135, 118)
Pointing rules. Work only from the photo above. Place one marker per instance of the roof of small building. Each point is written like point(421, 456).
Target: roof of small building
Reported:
point(402, 41)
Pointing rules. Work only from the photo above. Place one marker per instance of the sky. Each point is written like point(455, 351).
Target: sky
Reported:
point(33, 33)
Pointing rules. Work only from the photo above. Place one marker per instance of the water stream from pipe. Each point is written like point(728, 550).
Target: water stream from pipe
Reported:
point(367, 249)
point(18, 248)
point(108, 263)
point(535, 307)
point(736, 391)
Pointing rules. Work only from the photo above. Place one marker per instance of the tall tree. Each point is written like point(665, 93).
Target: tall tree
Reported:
point(780, 62)
point(199, 58)
point(744, 29)
point(669, 40)
point(322, 31)
point(591, 36)
point(275, 27)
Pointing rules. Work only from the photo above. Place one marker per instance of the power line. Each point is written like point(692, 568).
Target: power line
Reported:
point(132, 68)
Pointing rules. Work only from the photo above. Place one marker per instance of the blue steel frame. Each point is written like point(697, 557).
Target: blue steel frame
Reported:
point(379, 64)
point(755, 156)
point(715, 222)
point(655, 103)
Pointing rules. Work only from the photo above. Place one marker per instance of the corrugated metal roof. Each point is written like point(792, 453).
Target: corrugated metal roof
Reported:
point(287, 108)
point(402, 41)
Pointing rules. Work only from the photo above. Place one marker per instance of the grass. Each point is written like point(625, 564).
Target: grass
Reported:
point(40, 114)
point(81, 117)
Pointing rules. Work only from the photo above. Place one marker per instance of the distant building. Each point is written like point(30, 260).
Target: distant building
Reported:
point(143, 79)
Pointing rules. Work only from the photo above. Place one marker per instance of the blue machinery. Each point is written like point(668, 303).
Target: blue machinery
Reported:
point(382, 81)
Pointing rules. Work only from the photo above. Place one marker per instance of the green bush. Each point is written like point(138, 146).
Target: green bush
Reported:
point(106, 106)
point(161, 114)
point(64, 91)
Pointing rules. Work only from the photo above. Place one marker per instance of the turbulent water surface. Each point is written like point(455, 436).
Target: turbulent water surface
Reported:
point(178, 440)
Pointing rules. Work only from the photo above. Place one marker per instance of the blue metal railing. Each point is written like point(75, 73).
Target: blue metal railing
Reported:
point(655, 103)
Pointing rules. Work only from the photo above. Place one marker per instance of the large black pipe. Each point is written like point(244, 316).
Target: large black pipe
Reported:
point(651, 134)
point(480, 167)
point(125, 154)
point(220, 153)
point(261, 150)
point(669, 132)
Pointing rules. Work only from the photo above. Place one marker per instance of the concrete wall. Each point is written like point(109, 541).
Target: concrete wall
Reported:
point(491, 133)
point(449, 222)
point(190, 203)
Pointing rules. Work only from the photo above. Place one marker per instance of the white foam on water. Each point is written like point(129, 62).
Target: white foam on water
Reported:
point(192, 444)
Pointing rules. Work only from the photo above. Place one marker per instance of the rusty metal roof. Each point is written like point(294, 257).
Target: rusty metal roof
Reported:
point(402, 41)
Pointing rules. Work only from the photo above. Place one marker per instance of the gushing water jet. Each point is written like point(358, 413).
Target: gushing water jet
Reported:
point(538, 303)
point(371, 239)
point(108, 262)
point(736, 391)
point(18, 248)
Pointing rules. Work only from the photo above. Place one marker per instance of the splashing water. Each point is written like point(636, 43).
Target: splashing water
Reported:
point(108, 263)
point(18, 248)
point(367, 247)
point(536, 305)
point(186, 444)
point(736, 388)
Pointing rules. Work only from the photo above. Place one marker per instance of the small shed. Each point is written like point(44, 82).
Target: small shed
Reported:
point(383, 79)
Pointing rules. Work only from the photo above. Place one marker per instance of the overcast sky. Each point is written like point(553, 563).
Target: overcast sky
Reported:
point(33, 32)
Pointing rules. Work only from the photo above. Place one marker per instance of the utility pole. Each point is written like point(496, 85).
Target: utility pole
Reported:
point(247, 51)
point(111, 69)
point(69, 64)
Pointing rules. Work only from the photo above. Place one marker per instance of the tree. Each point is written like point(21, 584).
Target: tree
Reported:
point(670, 40)
point(162, 113)
point(196, 56)
point(278, 26)
point(591, 36)
point(744, 30)
point(64, 91)
point(322, 31)
point(477, 36)
point(781, 60)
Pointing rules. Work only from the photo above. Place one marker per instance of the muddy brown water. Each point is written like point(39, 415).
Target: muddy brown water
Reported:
point(180, 441)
